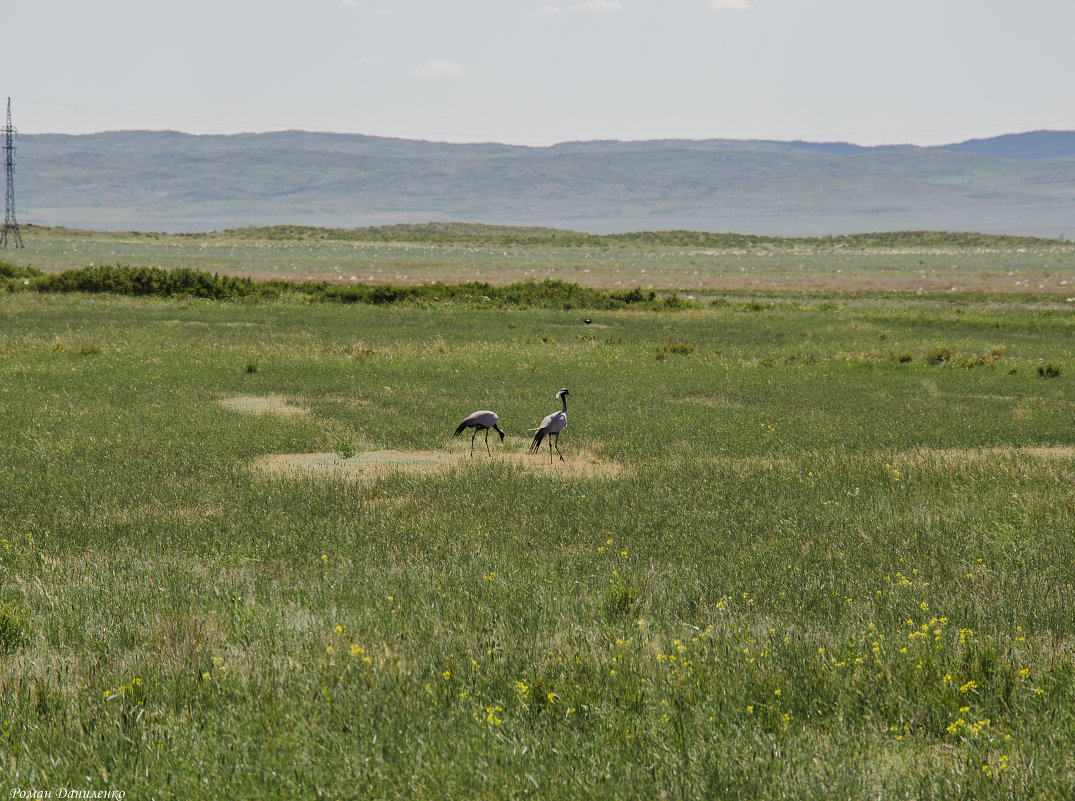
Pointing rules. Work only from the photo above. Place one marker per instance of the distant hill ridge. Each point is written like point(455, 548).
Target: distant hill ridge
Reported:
point(1020, 184)
point(472, 233)
point(483, 235)
point(1030, 145)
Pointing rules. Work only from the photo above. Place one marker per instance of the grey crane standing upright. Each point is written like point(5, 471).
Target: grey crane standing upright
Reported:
point(551, 427)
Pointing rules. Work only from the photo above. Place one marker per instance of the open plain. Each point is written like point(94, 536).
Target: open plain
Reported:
point(907, 262)
point(813, 537)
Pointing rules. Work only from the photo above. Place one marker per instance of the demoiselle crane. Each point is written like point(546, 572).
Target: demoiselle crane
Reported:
point(551, 427)
point(481, 420)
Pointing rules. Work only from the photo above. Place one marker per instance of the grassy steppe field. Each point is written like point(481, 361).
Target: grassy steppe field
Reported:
point(809, 549)
point(911, 262)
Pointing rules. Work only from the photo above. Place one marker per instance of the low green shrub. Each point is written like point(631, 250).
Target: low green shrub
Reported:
point(619, 599)
point(14, 628)
point(9, 273)
point(938, 356)
point(184, 282)
point(674, 346)
point(123, 280)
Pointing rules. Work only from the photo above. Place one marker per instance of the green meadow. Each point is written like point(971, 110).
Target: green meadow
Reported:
point(811, 547)
point(907, 261)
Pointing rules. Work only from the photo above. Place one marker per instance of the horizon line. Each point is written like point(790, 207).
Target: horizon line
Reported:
point(601, 140)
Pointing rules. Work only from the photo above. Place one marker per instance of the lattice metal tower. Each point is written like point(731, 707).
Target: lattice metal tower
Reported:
point(11, 225)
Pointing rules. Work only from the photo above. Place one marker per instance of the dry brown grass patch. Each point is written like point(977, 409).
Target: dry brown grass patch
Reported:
point(715, 401)
point(926, 457)
point(753, 463)
point(269, 404)
point(975, 454)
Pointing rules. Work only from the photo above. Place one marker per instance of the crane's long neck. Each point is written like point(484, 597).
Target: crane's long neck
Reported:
point(563, 400)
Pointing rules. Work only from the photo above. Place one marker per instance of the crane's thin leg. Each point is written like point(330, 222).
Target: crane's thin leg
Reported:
point(550, 448)
point(472, 436)
point(558, 448)
point(487, 442)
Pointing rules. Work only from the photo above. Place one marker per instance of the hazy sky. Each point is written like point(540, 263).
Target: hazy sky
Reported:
point(537, 72)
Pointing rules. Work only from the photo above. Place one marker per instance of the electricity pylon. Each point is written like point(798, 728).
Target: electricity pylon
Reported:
point(11, 225)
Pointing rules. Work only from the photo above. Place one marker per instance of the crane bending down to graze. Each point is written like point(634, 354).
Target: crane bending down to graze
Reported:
point(481, 421)
point(551, 427)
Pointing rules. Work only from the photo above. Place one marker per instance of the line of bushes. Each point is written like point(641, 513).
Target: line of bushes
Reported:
point(548, 294)
point(123, 280)
point(183, 282)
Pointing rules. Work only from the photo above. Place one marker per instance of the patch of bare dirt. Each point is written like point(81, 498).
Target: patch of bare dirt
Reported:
point(374, 464)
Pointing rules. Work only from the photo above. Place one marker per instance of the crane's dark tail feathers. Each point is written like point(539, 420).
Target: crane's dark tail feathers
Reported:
point(535, 444)
point(461, 428)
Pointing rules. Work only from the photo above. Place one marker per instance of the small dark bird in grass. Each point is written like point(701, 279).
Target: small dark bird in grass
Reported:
point(481, 420)
point(587, 320)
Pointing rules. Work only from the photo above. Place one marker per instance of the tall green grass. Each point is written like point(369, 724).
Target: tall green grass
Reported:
point(832, 565)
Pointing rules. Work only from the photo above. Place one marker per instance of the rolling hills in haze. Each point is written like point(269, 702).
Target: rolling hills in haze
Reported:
point(167, 181)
